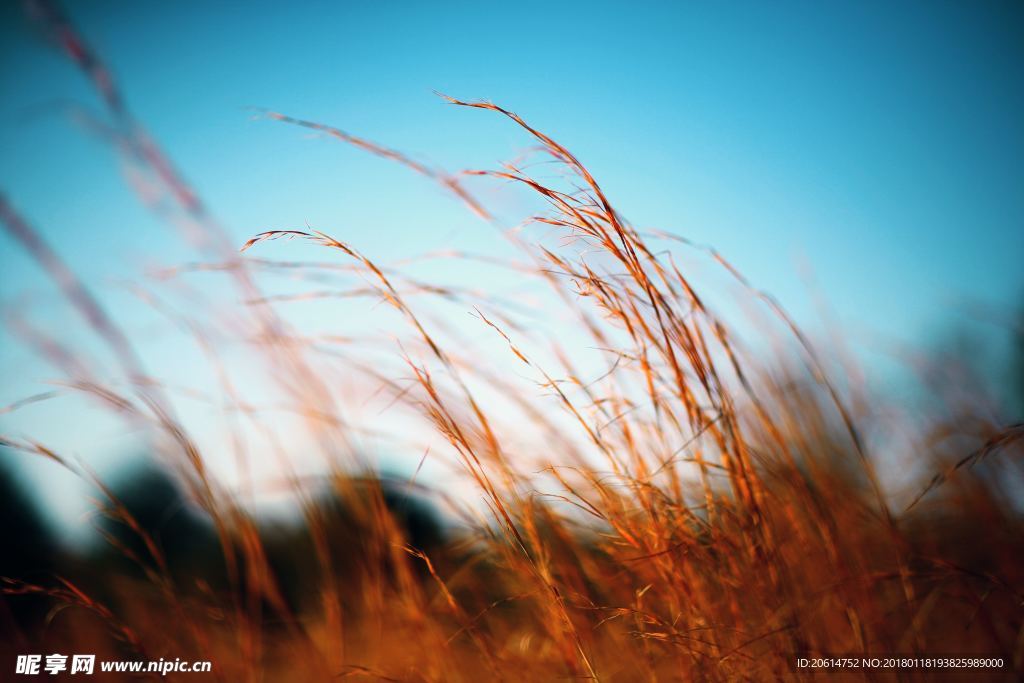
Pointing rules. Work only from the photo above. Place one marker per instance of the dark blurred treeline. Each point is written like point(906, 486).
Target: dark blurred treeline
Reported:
point(151, 529)
point(28, 551)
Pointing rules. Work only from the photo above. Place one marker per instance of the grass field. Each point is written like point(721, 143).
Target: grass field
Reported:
point(699, 510)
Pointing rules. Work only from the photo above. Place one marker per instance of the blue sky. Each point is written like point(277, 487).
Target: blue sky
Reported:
point(879, 142)
point(882, 143)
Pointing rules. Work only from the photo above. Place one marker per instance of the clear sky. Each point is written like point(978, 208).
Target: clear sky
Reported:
point(881, 143)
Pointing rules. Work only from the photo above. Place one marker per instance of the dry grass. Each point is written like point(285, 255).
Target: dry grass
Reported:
point(706, 512)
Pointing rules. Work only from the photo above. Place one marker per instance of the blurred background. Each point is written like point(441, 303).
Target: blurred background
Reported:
point(864, 155)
